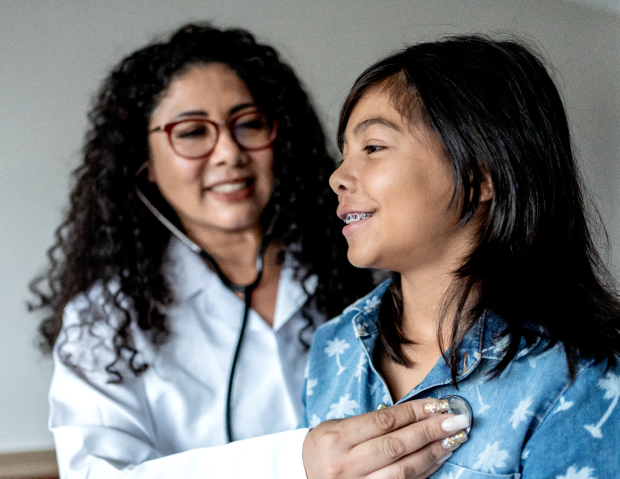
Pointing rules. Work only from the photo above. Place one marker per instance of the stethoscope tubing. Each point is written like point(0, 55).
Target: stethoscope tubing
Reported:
point(233, 365)
point(245, 289)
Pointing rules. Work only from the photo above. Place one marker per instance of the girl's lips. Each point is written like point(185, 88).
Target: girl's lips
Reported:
point(352, 227)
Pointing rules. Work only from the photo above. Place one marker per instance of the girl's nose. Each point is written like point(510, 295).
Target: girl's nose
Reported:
point(341, 180)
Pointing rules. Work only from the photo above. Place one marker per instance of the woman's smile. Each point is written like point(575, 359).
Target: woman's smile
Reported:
point(232, 190)
point(227, 190)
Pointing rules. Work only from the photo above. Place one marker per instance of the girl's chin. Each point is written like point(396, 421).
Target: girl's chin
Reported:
point(360, 260)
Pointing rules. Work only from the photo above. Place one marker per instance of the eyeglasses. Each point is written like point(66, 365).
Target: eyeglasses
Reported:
point(195, 138)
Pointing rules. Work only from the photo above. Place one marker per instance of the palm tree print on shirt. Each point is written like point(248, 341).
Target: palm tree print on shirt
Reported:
point(344, 407)
point(310, 386)
point(611, 385)
point(499, 346)
point(372, 302)
point(491, 458)
point(483, 406)
point(521, 413)
point(563, 406)
point(449, 475)
point(336, 348)
point(314, 421)
point(572, 473)
point(361, 367)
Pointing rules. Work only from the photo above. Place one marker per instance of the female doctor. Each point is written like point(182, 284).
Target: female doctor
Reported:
point(199, 254)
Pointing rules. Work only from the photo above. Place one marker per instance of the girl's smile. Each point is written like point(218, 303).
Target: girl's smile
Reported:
point(395, 188)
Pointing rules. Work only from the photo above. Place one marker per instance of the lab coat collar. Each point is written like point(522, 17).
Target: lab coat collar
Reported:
point(186, 272)
point(189, 276)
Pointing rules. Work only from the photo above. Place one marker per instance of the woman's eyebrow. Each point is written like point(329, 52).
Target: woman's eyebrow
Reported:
point(231, 111)
point(187, 113)
point(363, 125)
point(240, 107)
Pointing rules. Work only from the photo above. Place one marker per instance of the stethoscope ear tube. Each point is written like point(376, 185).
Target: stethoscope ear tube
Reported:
point(245, 289)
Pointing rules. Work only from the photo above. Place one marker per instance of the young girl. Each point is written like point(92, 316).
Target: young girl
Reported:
point(458, 176)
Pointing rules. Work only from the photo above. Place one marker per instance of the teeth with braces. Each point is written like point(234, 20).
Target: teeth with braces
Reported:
point(353, 217)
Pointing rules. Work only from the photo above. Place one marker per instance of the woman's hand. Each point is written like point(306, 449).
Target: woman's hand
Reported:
point(399, 442)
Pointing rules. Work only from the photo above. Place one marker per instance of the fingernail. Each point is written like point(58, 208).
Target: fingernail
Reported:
point(445, 458)
point(438, 407)
point(455, 423)
point(455, 441)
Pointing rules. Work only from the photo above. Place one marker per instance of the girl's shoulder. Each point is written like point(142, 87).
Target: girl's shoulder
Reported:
point(343, 324)
point(577, 434)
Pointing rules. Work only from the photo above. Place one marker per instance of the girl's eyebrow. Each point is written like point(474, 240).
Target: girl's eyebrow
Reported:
point(365, 124)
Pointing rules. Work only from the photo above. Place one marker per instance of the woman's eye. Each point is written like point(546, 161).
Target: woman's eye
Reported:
point(191, 131)
point(251, 125)
point(372, 148)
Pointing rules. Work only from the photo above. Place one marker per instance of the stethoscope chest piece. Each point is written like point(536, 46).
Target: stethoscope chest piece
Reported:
point(458, 405)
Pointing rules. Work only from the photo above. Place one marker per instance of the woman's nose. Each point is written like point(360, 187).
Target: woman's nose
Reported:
point(226, 151)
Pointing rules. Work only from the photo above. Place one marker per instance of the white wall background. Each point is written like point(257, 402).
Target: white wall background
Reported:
point(53, 56)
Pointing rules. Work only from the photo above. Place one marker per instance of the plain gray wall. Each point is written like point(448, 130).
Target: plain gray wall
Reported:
point(54, 55)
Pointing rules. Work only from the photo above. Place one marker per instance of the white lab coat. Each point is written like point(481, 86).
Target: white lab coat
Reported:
point(169, 421)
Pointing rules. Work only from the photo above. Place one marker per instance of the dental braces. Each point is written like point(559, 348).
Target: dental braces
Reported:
point(353, 217)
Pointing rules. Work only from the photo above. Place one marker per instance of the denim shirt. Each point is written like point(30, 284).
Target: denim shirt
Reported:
point(531, 422)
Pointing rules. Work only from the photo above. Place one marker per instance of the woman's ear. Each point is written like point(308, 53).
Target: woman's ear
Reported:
point(150, 176)
point(148, 166)
point(486, 188)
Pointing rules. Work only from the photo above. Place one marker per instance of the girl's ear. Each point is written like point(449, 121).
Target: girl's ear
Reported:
point(486, 188)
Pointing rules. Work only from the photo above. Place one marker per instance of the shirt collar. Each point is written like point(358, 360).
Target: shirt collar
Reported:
point(186, 272)
point(483, 340)
point(495, 342)
point(188, 276)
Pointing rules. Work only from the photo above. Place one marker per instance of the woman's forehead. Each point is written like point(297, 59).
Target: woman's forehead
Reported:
point(212, 89)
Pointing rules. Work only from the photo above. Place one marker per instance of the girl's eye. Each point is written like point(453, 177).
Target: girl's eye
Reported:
point(372, 148)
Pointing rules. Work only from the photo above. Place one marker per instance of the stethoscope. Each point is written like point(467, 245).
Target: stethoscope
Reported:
point(459, 405)
point(245, 289)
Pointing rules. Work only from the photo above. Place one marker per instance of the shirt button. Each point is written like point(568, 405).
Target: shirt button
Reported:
point(381, 406)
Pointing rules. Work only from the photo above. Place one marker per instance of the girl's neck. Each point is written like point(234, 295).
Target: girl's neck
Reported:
point(423, 297)
point(422, 300)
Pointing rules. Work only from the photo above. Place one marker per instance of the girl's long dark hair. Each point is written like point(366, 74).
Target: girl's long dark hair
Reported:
point(498, 113)
point(109, 237)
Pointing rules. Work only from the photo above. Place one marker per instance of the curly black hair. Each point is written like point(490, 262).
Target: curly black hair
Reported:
point(109, 237)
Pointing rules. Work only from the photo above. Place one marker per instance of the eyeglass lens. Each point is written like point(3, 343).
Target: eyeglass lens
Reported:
point(197, 138)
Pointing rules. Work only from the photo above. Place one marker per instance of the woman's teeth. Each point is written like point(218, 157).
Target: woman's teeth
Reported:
point(229, 187)
point(353, 217)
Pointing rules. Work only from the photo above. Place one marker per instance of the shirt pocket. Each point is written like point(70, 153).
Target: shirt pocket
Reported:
point(452, 471)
